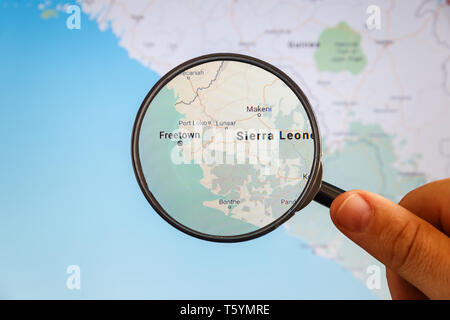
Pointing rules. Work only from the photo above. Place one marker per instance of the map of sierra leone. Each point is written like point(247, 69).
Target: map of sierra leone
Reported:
point(236, 137)
point(381, 96)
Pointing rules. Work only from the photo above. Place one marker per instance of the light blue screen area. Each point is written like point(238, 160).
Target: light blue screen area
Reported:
point(177, 187)
point(68, 195)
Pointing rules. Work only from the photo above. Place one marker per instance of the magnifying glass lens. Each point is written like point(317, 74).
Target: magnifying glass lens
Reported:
point(224, 148)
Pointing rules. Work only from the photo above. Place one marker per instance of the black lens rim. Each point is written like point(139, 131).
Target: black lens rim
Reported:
point(314, 174)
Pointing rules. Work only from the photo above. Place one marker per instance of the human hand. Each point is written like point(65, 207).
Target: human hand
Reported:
point(411, 239)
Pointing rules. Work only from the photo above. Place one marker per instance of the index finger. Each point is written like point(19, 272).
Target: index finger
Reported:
point(431, 202)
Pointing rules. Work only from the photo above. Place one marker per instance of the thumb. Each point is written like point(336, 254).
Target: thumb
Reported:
point(405, 243)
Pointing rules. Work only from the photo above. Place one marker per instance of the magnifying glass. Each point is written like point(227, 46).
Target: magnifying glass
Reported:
point(226, 148)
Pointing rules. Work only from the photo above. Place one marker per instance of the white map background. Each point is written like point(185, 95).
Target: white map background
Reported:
point(385, 129)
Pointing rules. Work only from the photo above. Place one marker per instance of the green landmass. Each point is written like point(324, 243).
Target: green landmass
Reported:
point(340, 50)
point(49, 13)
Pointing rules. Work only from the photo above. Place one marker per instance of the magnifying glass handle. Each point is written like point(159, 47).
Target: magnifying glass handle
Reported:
point(327, 194)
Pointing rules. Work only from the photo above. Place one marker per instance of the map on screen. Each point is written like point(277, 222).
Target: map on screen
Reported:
point(69, 97)
point(234, 140)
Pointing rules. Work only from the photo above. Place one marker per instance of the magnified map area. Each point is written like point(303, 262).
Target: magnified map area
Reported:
point(226, 147)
